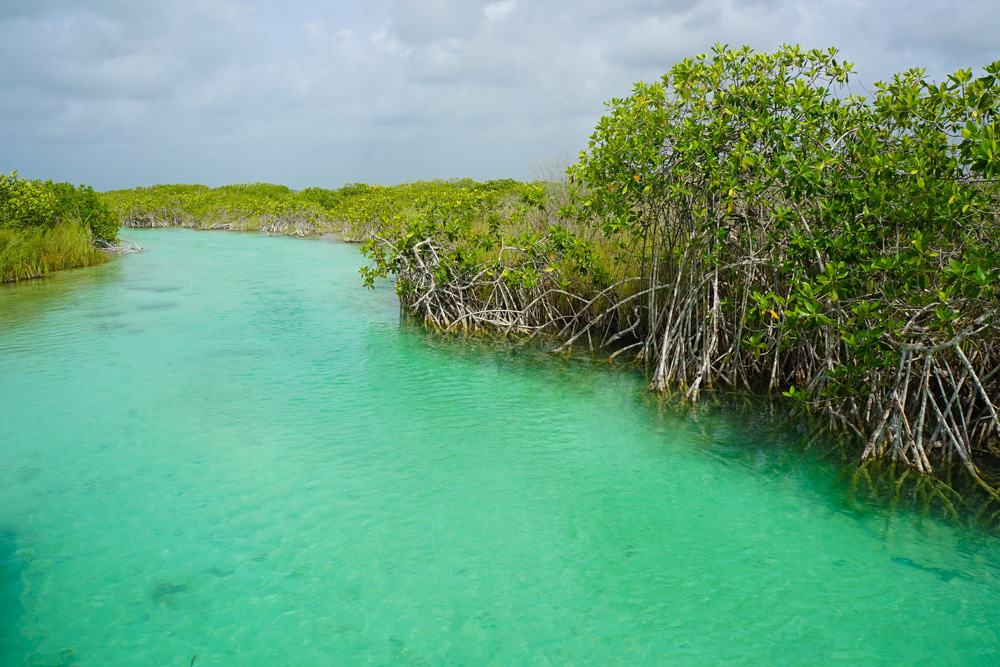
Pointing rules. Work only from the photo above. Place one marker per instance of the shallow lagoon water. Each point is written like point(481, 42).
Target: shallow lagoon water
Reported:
point(224, 449)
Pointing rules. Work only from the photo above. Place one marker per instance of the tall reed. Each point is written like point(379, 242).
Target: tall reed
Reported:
point(38, 251)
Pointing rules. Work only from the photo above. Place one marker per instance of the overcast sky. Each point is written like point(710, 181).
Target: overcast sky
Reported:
point(118, 93)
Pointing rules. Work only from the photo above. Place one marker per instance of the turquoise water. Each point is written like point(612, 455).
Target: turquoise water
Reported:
point(223, 449)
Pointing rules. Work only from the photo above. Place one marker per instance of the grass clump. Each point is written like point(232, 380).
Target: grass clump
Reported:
point(37, 251)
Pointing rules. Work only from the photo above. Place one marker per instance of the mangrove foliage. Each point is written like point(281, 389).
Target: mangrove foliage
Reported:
point(746, 223)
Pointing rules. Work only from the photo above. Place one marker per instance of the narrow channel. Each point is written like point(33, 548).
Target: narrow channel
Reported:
point(224, 450)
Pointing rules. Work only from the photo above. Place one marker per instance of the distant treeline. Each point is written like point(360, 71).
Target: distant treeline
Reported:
point(250, 207)
point(356, 209)
point(46, 226)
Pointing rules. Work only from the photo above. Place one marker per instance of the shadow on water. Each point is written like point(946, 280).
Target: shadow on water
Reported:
point(164, 593)
point(11, 588)
point(156, 289)
point(944, 574)
point(765, 437)
point(762, 436)
point(160, 305)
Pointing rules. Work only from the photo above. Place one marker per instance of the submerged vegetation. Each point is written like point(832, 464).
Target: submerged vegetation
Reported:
point(743, 224)
point(46, 227)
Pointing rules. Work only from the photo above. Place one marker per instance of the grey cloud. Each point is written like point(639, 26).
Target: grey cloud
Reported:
point(119, 92)
point(433, 20)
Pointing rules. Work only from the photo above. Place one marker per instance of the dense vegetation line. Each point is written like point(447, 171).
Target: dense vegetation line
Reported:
point(250, 207)
point(46, 227)
point(742, 224)
point(358, 209)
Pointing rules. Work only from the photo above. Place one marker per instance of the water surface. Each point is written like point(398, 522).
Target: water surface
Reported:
point(225, 448)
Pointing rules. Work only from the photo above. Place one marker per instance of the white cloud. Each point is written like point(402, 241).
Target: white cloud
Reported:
point(495, 11)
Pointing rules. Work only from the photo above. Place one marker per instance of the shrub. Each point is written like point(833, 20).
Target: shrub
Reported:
point(796, 237)
point(26, 203)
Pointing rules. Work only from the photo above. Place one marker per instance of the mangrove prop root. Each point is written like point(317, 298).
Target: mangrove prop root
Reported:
point(936, 404)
